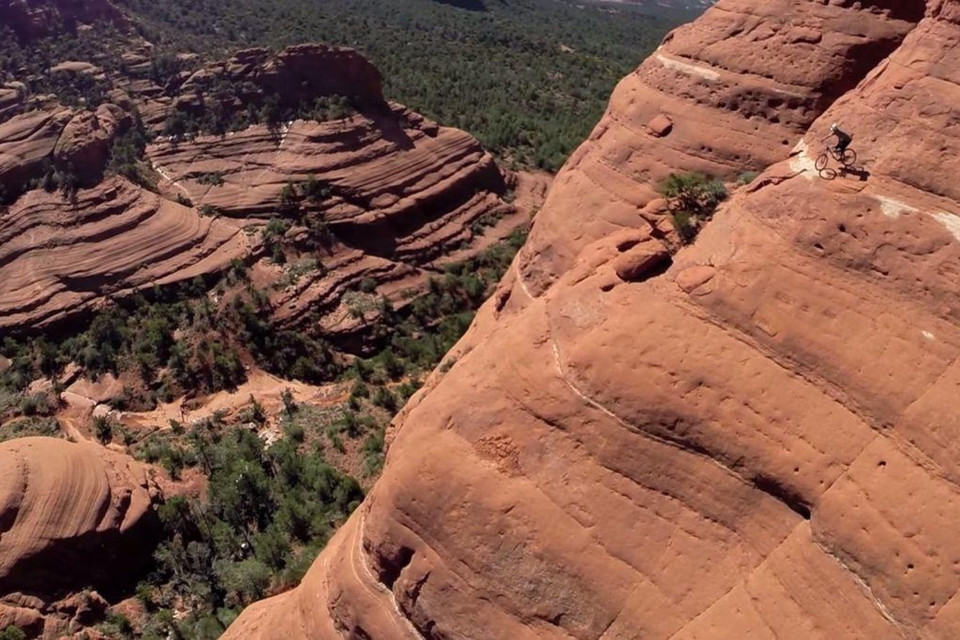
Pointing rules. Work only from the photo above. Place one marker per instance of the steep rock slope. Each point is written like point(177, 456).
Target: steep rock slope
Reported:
point(758, 442)
point(59, 259)
point(729, 93)
point(398, 186)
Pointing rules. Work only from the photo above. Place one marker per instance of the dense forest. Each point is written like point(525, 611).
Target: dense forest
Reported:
point(529, 78)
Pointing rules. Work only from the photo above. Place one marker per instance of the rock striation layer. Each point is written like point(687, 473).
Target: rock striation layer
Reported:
point(755, 437)
point(59, 259)
point(729, 93)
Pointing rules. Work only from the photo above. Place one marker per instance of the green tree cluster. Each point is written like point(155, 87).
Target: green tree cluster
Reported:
point(267, 513)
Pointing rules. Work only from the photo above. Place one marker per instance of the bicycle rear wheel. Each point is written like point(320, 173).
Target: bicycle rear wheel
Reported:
point(848, 158)
point(822, 161)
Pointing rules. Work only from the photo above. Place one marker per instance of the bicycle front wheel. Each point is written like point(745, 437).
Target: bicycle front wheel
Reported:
point(822, 161)
point(848, 158)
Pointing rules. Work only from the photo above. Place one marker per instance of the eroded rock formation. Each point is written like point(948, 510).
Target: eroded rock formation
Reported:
point(395, 192)
point(58, 259)
point(757, 439)
point(726, 94)
point(73, 505)
point(29, 19)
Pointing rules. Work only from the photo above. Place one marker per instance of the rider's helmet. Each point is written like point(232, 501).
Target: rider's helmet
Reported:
point(834, 127)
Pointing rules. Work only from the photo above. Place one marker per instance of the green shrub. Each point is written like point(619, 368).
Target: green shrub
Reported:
point(684, 224)
point(384, 398)
point(368, 285)
point(316, 190)
point(373, 452)
point(12, 633)
point(214, 178)
point(103, 429)
point(693, 199)
point(37, 404)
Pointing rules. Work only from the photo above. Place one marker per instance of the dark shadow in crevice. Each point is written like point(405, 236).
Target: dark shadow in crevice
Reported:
point(469, 5)
point(393, 566)
point(784, 494)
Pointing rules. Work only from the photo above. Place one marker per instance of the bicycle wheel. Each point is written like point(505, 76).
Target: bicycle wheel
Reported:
point(822, 161)
point(848, 158)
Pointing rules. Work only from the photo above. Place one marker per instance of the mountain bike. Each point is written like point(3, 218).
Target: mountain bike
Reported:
point(847, 158)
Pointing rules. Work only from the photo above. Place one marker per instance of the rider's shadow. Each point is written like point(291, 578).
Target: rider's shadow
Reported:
point(859, 172)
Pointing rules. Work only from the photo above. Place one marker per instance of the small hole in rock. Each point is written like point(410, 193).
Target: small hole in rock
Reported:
point(606, 287)
point(882, 463)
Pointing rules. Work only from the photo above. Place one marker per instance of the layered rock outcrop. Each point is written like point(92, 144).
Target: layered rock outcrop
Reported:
point(398, 194)
point(58, 139)
point(58, 259)
point(753, 438)
point(727, 94)
point(393, 192)
point(73, 505)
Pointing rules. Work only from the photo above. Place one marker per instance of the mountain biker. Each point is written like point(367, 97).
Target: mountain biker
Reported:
point(843, 139)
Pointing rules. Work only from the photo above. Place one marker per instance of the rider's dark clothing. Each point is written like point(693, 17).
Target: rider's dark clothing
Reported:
point(843, 140)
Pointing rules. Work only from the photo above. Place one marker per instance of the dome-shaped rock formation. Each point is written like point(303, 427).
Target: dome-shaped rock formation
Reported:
point(72, 515)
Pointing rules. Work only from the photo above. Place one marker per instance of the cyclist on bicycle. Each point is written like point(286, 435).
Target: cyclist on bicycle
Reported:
point(843, 139)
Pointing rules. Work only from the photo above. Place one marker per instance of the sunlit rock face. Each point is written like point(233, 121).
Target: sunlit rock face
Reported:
point(754, 436)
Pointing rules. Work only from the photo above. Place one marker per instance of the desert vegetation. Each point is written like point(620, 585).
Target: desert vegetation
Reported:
point(692, 198)
point(268, 512)
point(271, 504)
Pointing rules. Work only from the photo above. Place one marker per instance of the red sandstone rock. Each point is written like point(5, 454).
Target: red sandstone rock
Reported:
point(761, 442)
point(57, 258)
point(660, 126)
point(68, 513)
point(27, 141)
point(741, 85)
point(401, 195)
point(28, 620)
point(84, 143)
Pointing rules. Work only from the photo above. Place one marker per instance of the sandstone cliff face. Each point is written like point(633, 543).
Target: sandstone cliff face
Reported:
point(726, 94)
point(57, 260)
point(758, 441)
